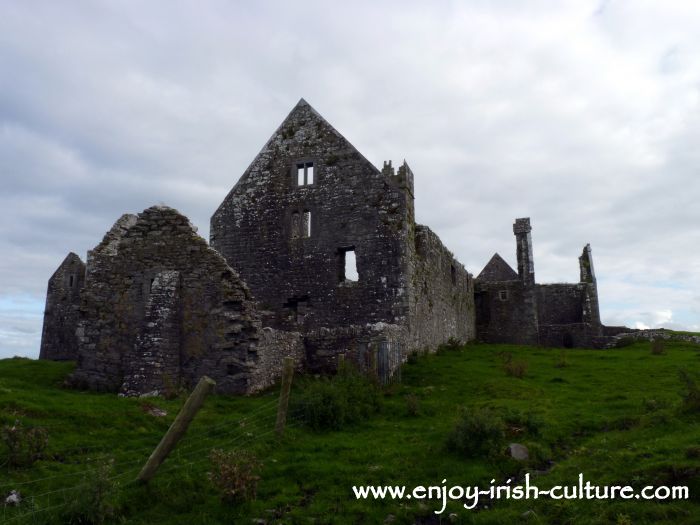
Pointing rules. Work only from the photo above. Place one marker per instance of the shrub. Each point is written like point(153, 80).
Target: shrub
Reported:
point(658, 347)
point(691, 394)
point(24, 445)
point(515, 368)
point(333, 403)
point(478, 431)
point(412, 404)
point(95, 502)
point(527, 422)
point(452, 345)
point(234, 474)
point(562, 361)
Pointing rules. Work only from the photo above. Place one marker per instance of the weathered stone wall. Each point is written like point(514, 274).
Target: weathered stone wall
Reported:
point(650, 335)
point(272, 348)
point(58, 339)
point(506, 312)
point(357, 343)
point(441, 295)
point(295, 272)
point(160, 307)
point(560, 303)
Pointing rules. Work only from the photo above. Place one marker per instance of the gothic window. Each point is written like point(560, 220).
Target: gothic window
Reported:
point(305, 173)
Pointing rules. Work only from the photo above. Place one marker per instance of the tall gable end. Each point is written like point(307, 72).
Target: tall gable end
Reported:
point(497, 270)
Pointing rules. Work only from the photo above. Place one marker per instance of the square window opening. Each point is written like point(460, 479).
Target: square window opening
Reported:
point(503, 295)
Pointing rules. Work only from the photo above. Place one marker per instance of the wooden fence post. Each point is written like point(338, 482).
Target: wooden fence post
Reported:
point(177, 428)
point(285, 388)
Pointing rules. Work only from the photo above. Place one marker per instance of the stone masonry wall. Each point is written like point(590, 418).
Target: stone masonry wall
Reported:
point(441, 295)
point(58, 339)
point(294, 267)
point(157, 296)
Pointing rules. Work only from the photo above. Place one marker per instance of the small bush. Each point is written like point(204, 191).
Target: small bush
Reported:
point(692, 452)
point(24, 446)
point(691, 393)
point(452, 345)
point(523, 422)
point(412, 404)
point(478, 431)
point(95, 502)
point(334, 403)
point(658, 347)
point(234, 474)
point(562, 361)
point(515, 368)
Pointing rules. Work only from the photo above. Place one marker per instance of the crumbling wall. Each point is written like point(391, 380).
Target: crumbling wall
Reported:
point(441, 295)
point(272, 348)
point(158, 303)
point(58, 338)
point(384, 343)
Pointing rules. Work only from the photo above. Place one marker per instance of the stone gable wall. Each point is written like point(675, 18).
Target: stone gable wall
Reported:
point(58, 338)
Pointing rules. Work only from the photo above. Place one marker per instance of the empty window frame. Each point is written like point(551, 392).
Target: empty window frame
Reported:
point(72, 278)
point(503, 295)
point(348, 265)
point(300, 226)
point(305, 173)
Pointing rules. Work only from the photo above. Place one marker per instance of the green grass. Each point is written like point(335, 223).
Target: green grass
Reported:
point(613, 415)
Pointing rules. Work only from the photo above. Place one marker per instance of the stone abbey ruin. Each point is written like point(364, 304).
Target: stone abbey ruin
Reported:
point(314, 253)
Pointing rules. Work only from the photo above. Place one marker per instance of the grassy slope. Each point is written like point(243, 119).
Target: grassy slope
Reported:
point(612, 415)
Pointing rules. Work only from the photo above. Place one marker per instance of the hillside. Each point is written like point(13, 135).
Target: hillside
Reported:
point(616, 415)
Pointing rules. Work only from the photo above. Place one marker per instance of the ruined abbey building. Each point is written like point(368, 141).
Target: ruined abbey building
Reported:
point(512, 308)
point(314, 253)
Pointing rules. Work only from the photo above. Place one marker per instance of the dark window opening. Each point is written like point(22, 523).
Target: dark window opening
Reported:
point(150, 286)
point(503, 295)
point(298, 308)
point(347, 267)
point(453, 274)
point(232, 369)
point(70, 283)
point(305, 173)
point(568, 340)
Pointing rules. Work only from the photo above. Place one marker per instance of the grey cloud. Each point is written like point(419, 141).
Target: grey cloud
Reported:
point(583, 116)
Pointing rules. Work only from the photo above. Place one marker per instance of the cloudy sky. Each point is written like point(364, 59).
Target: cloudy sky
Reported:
point(583, 115)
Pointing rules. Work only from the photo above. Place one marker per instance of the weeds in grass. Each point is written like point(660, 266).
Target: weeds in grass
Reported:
point(95, 502)
point(523, 422)
point(691, 393)
point(658, 347)
point(478, 431)
point(412, 404)
point(513, 367)
point(452, 345)
point(562, 361)
point(235, 474)
point(334, 403)
point(24, 446)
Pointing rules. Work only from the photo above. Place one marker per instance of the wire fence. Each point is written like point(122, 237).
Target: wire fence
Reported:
point(232, 434)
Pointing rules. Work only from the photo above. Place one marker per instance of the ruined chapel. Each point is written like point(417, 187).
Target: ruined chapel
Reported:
point(314, 253)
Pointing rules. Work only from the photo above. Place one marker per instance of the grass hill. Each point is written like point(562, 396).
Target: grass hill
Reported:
point(621, 417)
